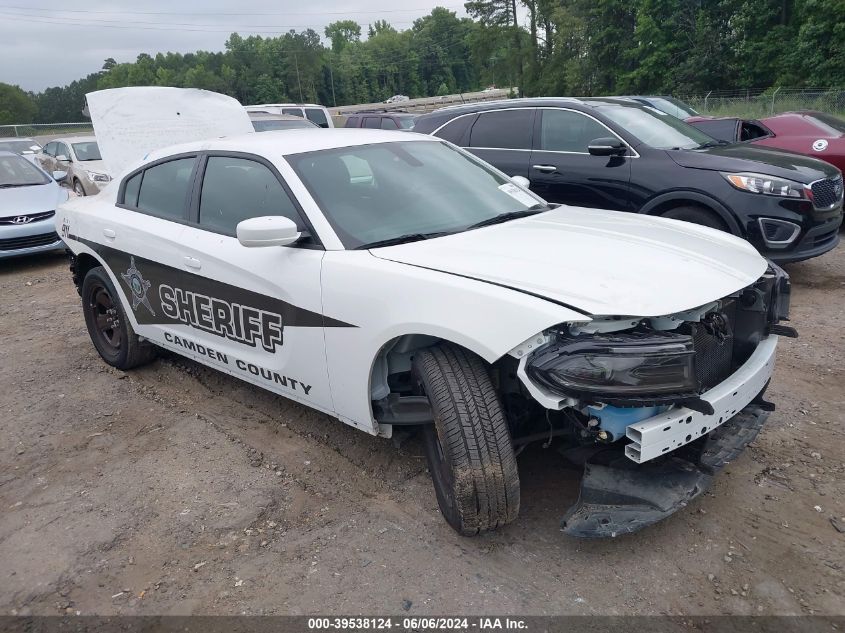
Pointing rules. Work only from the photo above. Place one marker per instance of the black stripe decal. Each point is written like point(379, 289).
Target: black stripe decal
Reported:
point(162, 294)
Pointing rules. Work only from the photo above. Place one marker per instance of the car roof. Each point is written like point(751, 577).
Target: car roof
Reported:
point(529, 102)
point(285, 105)
point(269, 116)
point(74, 139)
point(295, 141)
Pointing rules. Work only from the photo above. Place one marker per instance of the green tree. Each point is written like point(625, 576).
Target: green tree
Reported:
point(342, 33)
point(16, 106)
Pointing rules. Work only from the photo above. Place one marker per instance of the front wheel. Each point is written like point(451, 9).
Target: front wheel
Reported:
point(78, 189)
point(469, 450)
point(110, 330)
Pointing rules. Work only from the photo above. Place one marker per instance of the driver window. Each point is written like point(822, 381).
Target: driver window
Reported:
point(236, 189)
point(569, 131)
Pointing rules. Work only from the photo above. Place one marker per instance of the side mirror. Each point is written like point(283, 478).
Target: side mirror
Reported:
point(59, 176)
point(62, 158)
point(522, 181)
point(272, 230)
point(607, 147)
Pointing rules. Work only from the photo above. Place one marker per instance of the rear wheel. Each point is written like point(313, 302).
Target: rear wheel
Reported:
point(697, 215)
point(110, 330)
point(469, 450)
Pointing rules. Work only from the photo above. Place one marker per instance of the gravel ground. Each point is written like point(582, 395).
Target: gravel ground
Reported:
point(174, 489)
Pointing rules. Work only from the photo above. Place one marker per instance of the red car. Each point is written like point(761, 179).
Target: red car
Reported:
point(811, 133)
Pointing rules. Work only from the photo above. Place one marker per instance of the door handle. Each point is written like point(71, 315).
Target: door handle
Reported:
point(546, 169)
point(193, 262)
point(109, 233)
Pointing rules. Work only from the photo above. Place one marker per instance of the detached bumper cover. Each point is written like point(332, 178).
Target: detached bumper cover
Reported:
point(625, 498)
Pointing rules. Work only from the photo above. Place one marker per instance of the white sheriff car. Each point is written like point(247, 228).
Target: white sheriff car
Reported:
point(389, 279)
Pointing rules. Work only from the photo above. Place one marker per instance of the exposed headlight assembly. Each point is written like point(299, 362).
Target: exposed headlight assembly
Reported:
point(617, 365)
point(767, 185)
point(98, 177)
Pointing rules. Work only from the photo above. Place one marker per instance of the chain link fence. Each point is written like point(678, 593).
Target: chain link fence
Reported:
point(750, 104)
point(45, 129)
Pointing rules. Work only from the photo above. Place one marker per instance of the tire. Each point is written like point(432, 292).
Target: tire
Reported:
point(697, 215)
point(469, 450)
point(110, 330)
point(78, 189)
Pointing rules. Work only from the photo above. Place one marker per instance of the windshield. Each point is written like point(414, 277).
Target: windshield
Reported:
point(656, 128)
point(268, 125)
point(827, 122)
point(672, 106)
point(20, 147)
point(19, 172)
point(405, 122)
point(372, 193)
point(87, 151)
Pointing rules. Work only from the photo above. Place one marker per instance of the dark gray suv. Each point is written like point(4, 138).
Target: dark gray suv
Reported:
point(615, 153)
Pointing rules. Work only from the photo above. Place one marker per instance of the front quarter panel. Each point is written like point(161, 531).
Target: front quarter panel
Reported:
point(385, 300)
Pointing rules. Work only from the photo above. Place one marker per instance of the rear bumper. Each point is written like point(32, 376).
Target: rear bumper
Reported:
point(622, 498)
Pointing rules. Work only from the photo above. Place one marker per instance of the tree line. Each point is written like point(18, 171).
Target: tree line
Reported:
point(544, 47)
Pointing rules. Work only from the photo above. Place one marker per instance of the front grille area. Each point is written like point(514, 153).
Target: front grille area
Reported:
point(826, 193)
point(28, 241)
point(714, 352)
point(30, 217)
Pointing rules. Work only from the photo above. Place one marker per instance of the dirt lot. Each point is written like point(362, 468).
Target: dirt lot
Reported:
point(176, 490)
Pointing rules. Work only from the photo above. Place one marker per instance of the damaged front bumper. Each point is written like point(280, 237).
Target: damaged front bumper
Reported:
point(621, 498)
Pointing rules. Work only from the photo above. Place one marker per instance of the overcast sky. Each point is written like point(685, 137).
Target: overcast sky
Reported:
point(42, 45)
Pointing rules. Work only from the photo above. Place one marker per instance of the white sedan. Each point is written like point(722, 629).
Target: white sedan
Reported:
point(390, 279)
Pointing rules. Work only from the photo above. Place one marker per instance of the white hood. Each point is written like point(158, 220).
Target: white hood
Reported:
point(600, 262)
point(129, 123)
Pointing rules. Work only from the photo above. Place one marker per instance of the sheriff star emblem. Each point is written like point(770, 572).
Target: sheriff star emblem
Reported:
point(138, 286)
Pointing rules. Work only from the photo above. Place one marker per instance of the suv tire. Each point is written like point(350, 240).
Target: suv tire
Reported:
point(110, 330)
point(697, 215)
point(469, 450)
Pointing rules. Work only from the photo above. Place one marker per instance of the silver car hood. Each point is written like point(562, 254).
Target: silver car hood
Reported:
point(32, 199)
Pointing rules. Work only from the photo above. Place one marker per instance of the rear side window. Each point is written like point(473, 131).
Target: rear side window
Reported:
point(455, 131)
point(131, 189)
point(236, 189)
point(388, 124)
point(316, 115)
point(372, 122)
point(353, 121)
point(293, 111)
point(164, 188)
point(569, 131)
point(505, 129)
